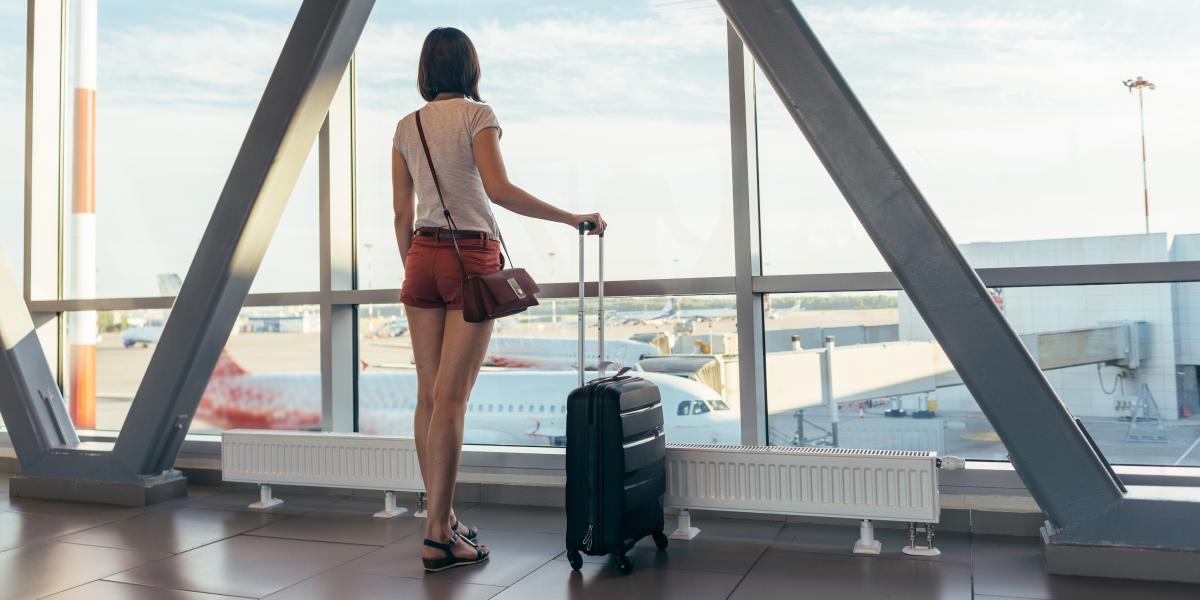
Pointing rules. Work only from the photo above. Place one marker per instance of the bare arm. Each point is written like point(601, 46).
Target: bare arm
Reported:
point(506, 194)
point(403, 205)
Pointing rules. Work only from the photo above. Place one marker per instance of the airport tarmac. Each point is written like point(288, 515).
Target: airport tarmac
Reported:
point(966, 433)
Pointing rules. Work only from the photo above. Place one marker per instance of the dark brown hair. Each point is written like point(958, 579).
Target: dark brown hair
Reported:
point(448, 64)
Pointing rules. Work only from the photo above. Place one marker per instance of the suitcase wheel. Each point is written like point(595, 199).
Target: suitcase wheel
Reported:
point(575, 559)
point(624, 565)
point(660, 540)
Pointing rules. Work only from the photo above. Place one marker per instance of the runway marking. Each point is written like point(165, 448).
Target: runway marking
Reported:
point(1187, 452)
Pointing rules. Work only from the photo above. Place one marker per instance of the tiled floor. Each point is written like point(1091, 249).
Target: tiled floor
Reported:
point(210, 546)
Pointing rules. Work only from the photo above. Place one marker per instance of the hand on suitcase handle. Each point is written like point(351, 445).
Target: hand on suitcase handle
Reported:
point(592, 223)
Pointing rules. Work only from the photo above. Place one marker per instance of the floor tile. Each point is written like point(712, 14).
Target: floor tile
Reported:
point(556, 581)
point(833, 539)
point(174, 530)
point(343, 584)
point(723, 546)
point(515, 518)
point(41, 569)
point(1008, 566)
point(714, 555)
point(240, 499)
point(19, 528)
point(96, 513)
point(344, 527)
point(108, 590)
point(514, 555)
point(243, 566)
point(780, 574)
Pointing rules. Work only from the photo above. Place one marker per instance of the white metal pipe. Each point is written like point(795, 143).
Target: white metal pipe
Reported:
point(82, 325)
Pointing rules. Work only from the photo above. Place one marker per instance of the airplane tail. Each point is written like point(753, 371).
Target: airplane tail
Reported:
point(169, 284)
point(227, 366)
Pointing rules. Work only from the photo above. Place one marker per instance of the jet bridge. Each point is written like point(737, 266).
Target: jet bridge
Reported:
point(869, 371)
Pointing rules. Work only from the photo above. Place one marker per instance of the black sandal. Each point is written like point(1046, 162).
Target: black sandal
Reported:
point(472, 532)
point(433, 565)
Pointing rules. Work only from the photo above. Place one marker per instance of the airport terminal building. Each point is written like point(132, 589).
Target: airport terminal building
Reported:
point(897, 300)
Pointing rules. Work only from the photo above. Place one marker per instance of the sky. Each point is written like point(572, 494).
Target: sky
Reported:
point(1010, 116)
point(12, 136)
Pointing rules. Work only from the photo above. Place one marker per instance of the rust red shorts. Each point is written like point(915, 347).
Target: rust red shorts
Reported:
point(432, 275)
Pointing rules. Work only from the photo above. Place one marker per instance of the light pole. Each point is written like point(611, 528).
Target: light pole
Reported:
point(553, 303)
point(1141, 84)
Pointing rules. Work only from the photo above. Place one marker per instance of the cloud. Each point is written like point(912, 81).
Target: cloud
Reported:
point(1008, 116)
point(595, 65)
point(1013, 124)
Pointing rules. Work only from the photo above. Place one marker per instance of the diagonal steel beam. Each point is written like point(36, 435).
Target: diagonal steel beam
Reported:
point(30, 400)
point(283, 130)
point(1064, 473)
point(137, 469)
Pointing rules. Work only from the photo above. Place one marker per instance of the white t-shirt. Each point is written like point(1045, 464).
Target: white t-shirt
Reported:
point(450, 128)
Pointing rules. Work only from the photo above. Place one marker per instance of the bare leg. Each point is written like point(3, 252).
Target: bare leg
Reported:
point(425, 332)
point(463, 348)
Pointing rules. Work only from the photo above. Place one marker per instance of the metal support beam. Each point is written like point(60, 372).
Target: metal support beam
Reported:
point(747, 242)
point(284, 127)
point(30, 399)
point(339, 323)
point(1065, 474)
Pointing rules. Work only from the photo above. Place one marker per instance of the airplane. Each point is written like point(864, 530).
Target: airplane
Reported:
point(507, 407)
point(144, 335)
point(168, 285)
point(670, 312)
point(562, 353)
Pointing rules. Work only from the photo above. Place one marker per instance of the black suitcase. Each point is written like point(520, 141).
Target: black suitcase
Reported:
point(616, 456)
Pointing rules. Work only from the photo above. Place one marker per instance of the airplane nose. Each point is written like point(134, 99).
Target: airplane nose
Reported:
point(729, 431)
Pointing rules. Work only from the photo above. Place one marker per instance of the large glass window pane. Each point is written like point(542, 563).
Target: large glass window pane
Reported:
point(618, 107)
point(12, 143)
point(1013, 120)
point(268, 377)
point(1123, 358)
point(685, 345)
point(176, 86)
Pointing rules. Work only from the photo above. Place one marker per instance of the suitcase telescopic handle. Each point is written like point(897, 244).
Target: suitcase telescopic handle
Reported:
point(585, 227)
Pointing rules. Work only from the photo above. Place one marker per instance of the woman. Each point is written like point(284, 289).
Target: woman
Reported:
point(463, 141)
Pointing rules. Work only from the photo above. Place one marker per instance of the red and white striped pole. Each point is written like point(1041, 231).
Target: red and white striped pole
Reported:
point(83, 325)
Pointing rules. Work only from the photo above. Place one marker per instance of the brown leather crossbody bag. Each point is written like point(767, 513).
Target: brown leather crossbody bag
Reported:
point(488, 295)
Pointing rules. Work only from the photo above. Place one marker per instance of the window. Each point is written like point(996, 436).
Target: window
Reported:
point(177, 86)
point(643, 137)
point(687, 346)
point(268, 377)
point(1014, 122)
point(12, 143)
point(1123, 358)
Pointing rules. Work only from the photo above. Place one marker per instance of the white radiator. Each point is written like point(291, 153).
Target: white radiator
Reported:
point(821, 482)
point(348, 460)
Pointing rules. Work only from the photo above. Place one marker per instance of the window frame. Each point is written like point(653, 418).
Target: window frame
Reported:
point(339, 296)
